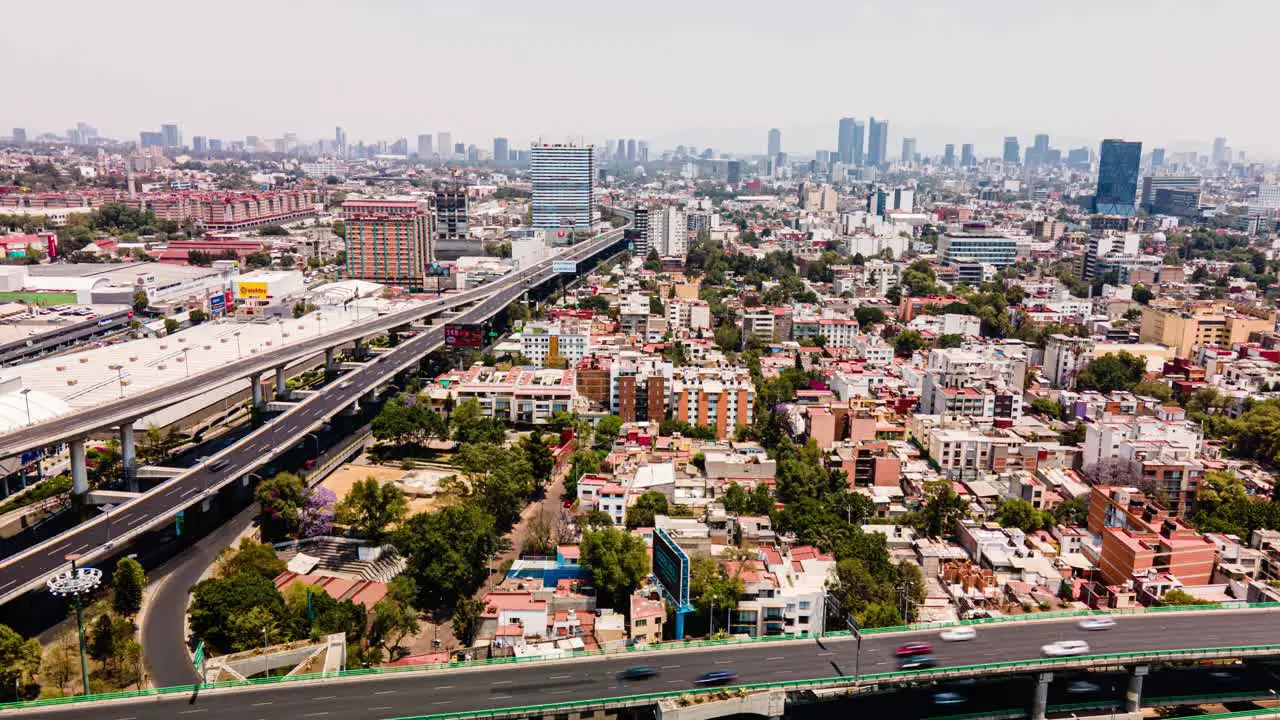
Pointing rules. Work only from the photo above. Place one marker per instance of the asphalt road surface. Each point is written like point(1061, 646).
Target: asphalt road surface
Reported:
point(458, 690)
point(260, 447)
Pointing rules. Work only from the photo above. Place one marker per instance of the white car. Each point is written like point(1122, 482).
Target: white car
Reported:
point(1097, 623)
point(1065, 648)
point(958, 634)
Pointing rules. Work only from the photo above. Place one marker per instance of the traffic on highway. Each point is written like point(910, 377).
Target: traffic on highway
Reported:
point(105, 533)
point(377, 697)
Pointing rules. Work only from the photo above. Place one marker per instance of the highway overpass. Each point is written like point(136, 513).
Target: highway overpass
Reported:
point(798, 665)
point(102, 536)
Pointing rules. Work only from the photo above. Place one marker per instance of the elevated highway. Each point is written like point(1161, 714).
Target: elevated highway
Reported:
point(797, 665)
point(102, 536)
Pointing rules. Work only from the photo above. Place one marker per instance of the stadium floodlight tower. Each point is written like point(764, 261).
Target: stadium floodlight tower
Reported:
point(76, 583)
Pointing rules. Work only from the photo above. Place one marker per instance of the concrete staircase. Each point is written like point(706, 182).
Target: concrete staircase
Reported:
point(339, 557)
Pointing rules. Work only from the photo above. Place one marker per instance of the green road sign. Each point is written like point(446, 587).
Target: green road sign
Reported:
point(199, 657)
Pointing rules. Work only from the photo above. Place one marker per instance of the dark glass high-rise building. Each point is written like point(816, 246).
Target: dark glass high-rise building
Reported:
point(1012, 151)
point(850, 141)
point(1118, 178)
point(501, 150)
point(733, 172)
point(966, 155)
point(775, 142)
point(1157, 158)
point(948, 155)
point(877, 142)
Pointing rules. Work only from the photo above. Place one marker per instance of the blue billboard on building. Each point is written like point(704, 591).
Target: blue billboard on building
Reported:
point(671, 570)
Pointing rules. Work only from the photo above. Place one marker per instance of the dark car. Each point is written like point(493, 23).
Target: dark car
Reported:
point(639, 672)
point(913, 648)
point(917, 662)
point(717, 677)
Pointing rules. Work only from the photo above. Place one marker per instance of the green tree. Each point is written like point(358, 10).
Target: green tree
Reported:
point(251, 558)
point(648, 505)
point(1158, 390)
point(728, 338)
point(102, 640)
point(217, 602)
point(596, 519)
point(607, 430)
point(394, 616)
point(652, 261)
point(256, 628)
point(950, 340)
point(19, 658)
point(466, 620)
point(497, 479)
point(868, 315)
point(539, 456)
point(197, 316)
point(448, 553)
point(1016, 512)
point(1073, 435)
point(471, 426)
point(141, 301)
point(1071, 512)
point(171, 326)
point(919, 279)
point(1046, 407)
point(273, 231)
point(1111, 372)
point(1181, 597)
point(710, 586)
point(618, 561)
point(281, 498)
point(1142, 294)
point(907, 343)
point(371, 507)
point(943, 508)
point(126, 587)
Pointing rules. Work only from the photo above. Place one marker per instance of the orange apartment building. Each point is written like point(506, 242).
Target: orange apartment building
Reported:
point(389, 241)
point(1139, 538)
point(721, 398)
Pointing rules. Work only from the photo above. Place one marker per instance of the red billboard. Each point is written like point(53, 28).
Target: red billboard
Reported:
point(463, 336)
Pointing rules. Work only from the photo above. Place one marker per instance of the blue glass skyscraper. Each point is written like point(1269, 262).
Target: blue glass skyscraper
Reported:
point(1118, 178)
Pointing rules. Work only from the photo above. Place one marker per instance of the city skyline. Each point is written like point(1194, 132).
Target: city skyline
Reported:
point(167, 94)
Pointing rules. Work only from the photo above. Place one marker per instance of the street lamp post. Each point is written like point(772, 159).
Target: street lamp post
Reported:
point(77, 582)
point(26, 397)
point(237, 336)
point(186, 360)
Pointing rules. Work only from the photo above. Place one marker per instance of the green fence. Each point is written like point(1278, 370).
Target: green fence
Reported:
point(149, 692)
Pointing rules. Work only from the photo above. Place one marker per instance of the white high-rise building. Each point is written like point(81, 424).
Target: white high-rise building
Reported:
point(563, 185)
point(669, 232)
point(444, 146)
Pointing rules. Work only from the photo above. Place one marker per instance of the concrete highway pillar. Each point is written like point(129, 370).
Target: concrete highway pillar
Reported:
point(79, 471)
point(1133, 696)
point(128, 456)
point(357, 349)
point(255, 383)
point(1041, 702)
point(330, 359)
point(282, 386)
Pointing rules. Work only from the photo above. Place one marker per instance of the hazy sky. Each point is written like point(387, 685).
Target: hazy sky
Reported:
point(706, 72)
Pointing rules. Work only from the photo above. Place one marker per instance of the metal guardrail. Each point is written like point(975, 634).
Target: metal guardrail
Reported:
point(844, 680)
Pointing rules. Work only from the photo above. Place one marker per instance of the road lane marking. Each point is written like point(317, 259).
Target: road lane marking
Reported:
point(384, 692)
point(325, 697)
point(670, 667)
point(192, 490)
point(131, 717)
point(500, 697)
point(60, 549)
point(560, 677)
point(136, 520)
point(673, 682)
point(782, 672)
point(316, 714)
point(191, 712)
point(82, 547)
point(260, 704)
point(442, 702)
point(382, 707)
point(502, 682)
point(723, 662)
point(559, 692)
point(776, 657)
point(825, 654)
